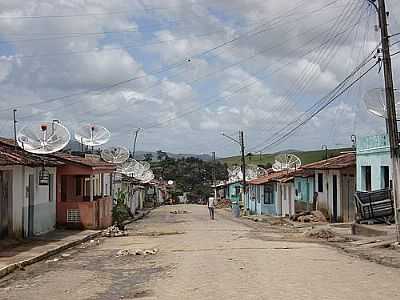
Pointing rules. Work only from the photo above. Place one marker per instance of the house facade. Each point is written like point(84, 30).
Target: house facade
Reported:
point(233, 191)
point(135, 192)
point(27, 192)
point(304, 190)
point(373, 163)
point(84, 192)
point(335, 186)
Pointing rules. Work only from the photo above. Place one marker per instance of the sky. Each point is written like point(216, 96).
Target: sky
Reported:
point(186, 70)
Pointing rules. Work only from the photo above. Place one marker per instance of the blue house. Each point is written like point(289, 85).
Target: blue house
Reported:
point(304, 190)
point(264, 196)
point(233, 191)
point(373, 163)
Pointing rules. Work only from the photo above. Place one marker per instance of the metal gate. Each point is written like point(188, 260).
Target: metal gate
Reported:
point(5, 204)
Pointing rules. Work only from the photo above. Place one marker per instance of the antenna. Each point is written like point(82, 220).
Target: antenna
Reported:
point(43, 138)
point(92, 135)
point(115, 155)
point(375, 100)
point(286, 161)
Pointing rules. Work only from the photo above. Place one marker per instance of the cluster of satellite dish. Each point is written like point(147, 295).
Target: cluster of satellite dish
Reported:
point(235, 172)
point(50, 137)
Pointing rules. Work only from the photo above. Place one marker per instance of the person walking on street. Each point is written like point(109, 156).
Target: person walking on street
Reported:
point(211, 207)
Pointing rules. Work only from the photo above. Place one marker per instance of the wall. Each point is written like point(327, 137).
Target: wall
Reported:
point(232, 192)
point(45, 206)
point(373, 151)
point(255, 200)
point(325, 199)
point(304, 198)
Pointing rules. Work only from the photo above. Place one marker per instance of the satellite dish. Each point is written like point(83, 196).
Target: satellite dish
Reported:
point(92, 135)
point(115, 155)
point(170, 182)
point(127, 167)
point(43, 138)
point(146, 176)
point(375, 100)
point(286, 161)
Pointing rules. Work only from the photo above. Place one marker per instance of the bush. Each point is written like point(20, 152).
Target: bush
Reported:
point(120, 211)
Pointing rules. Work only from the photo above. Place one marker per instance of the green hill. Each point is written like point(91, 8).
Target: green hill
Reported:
point(305, 156)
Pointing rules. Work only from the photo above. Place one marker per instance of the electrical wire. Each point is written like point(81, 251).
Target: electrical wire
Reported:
point(323, 103)
point(155, 72)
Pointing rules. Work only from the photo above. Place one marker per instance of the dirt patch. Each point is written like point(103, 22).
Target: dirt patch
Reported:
point(180, 212)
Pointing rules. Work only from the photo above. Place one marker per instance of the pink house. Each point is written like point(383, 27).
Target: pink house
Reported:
point(84, 192)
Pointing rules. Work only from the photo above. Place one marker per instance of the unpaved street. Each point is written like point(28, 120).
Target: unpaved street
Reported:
point(202, 259)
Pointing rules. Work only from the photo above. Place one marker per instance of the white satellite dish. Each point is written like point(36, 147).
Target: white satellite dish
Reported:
point(43, 137)
point(115, 155)
point(127, 167)
point(286, 161)
point(146, 176)
point(92, 135)
point(375, 100)
point(170, 182)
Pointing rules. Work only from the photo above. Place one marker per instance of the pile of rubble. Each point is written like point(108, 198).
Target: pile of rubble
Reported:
point(323, 233)
point(309, 217)
point(223, 203)
point(114, 231)
point(179, 212)
point(129, 252)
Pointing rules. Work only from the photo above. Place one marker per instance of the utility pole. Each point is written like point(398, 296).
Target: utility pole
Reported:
point(243, 167)
point(213, 176)
point(134, 142)
point(391, 120)
point(325, 147)
point(241, 139)
point(15, 127)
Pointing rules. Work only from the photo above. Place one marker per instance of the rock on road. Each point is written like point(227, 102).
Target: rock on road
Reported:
point(202, 259)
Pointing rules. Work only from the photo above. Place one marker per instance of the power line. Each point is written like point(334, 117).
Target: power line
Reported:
point(168, 67)
point(263, 51)
point(323, 106)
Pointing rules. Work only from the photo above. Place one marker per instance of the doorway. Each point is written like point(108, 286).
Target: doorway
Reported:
point(31, 204)
point(5, 204)
point(334, 198)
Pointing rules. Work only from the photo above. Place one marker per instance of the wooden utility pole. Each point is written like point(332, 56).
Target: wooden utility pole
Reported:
point(134, 142)
point(15, 127)
point(391, 120)
point(213, 176)
point(241, 139)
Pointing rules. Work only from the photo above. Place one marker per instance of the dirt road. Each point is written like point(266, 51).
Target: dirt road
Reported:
point(202, 259)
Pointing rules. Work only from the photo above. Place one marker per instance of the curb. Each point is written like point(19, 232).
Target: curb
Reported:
point(19, 265)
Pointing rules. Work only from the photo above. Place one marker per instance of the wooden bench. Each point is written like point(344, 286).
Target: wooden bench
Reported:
point(375, 205)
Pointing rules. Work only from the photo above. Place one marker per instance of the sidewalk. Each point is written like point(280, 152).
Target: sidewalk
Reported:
point(17, 254)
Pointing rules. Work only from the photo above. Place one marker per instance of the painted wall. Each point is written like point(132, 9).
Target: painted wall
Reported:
point(256, 203)
point(304, 186)
point(325, 198)
point(44, 209)
point(372, 151)
point(232, 195)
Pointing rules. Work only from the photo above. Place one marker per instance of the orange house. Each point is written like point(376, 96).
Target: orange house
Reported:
point(84, 192)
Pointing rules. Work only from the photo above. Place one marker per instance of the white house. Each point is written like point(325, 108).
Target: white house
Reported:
point(27, 192)
point(335, 186)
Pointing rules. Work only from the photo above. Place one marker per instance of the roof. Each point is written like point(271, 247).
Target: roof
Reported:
point(93, 162)
point(10, 155)
point(274, 176)
point(339, 162)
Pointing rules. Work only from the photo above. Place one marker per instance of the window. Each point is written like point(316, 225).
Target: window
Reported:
point(320, 182)
point(51, 185)
point(78, 185)
point(385, 177)
point(268, 194)
point(237, 190)
point(366, 178)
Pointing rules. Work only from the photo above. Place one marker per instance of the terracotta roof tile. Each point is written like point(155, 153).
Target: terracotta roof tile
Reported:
point(339, 162)
point(87, 161)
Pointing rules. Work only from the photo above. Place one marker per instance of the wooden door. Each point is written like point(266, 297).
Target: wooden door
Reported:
point(334, 198)
point(31, 204)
